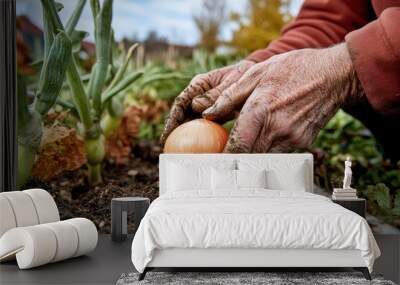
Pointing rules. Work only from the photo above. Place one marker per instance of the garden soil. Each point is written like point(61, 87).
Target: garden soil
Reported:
point(75, 198)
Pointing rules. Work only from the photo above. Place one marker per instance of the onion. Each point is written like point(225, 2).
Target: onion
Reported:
point(197, 136)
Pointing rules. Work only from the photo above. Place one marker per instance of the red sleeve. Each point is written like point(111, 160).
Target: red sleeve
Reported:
point(375, 51)
point(319, 24)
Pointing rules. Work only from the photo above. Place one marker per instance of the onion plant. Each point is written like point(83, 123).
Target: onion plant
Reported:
point(93, 102)
point(55, 63)
point(97, 105)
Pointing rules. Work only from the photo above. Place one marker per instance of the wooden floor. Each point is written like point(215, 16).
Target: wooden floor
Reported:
point(103, 266)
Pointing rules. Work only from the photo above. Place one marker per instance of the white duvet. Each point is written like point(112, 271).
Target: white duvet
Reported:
point(250, 219)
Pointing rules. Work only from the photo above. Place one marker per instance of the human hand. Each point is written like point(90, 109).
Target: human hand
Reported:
point(288, 99)
point(202, 92)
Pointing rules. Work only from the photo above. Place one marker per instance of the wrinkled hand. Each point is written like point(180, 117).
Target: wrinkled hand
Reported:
point(288, 99)
point(202, 92)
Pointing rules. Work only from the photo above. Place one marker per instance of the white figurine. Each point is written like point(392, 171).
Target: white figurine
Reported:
point(347, 174)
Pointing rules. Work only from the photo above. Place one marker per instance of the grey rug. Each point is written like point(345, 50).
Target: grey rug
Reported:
point(269, 278)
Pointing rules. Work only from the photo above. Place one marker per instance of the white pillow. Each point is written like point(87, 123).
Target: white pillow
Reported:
point(181, 177)
point(186, 174)
point(251, 178)
point(227, 179)
point(223, 179)
point(281, 174)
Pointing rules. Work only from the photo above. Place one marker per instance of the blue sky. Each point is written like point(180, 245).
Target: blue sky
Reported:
point(170, 18)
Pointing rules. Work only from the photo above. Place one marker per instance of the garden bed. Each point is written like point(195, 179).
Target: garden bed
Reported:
point(75, 198)
point(139, 177)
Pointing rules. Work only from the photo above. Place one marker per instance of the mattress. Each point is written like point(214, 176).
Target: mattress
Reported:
point(250, 219)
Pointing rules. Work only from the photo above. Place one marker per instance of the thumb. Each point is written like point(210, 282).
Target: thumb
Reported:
point(231, 98)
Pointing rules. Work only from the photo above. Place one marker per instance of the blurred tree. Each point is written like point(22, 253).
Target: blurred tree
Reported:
point(154, 37)
point(260, 25)
point(209, 23)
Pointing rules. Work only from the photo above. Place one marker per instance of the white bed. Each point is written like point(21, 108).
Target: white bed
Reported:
point(280, 225)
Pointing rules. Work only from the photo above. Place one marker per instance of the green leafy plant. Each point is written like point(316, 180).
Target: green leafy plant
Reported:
point(165, 82)
point(97, 99)
point(376, 178)
point(388, 206)
point(30, 116)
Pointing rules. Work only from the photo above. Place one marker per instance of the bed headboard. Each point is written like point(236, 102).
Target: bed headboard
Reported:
point(213, 158)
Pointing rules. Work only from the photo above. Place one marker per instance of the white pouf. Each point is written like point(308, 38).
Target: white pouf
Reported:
point(7, 218)
point(45, 205)
point(66, 237)
point(31, 231)
point(37, 245)
point(23, 208)
point(26, 208)
point(87, 234)
point(32, 246)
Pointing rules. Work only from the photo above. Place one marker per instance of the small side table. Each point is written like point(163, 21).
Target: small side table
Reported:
point(357, 205)
point(119, 215)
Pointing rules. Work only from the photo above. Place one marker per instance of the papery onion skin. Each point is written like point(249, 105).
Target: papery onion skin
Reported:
point(197, 136)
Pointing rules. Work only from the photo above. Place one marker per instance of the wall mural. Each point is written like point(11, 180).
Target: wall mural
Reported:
point(93, 100)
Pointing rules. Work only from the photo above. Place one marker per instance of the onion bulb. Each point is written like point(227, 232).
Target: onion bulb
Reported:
point(197, 136)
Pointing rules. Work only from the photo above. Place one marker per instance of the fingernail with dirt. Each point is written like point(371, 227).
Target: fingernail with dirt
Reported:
point(210, 111)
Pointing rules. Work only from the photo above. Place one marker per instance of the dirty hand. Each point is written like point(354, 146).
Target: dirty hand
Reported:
point(288, 99)
point(202, 92)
